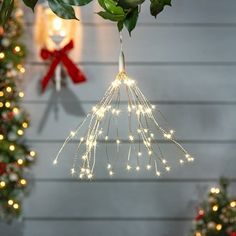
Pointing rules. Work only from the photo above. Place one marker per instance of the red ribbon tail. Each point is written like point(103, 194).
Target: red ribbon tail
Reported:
point(76, 75)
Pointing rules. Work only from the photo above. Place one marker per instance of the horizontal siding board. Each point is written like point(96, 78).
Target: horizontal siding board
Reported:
point(158, 83)
point(189, 44)
point(74, 199)
point(219, 157)
point(199, 122)
point(106, 228)
point(182, 11)
point(14, 229)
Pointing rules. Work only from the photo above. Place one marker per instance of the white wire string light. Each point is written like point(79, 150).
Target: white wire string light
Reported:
point(142, 132)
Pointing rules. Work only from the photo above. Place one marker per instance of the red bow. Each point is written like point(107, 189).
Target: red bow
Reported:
point(58, 56)
point(2, 168)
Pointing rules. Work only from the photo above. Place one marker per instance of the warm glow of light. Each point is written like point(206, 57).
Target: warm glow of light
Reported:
point(128, 167)
point(17, 48)
point(21, 94)
point(218, 227)
point(72, 171)
point(7, 104)
point(149, 167)
point(23, 182)
point(1, 137)
point(2, 184)
point(215, 190)
point(167, 168)
point(10, 202)
point(215, 208)
point(32, 153)
point(164, 161)
point(1, 93)
point(8, 89)
point(198, 234)
point(16, 206)
point(1, 104)
point(140, 125)
point(90, 176)
point(25, 125)
point(233, 204)
point(131, 138)
point(57, 23)
point(20, 162)
point(20, 132)
point(12, 147)
point(2, 55)
point(16, 110)
point(21, 68)
point(55, 162)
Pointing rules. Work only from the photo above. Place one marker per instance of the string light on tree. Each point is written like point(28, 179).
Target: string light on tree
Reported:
point(15, 156)
point(217, 215)
point(143, 130)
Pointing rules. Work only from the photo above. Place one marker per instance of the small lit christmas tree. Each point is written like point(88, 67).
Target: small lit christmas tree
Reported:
point(217, 216)
point(15, 156)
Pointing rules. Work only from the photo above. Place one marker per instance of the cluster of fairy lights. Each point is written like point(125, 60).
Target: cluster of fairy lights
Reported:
point(215, 208)
point(16, 50)
point(8, 91)
point(98, 122)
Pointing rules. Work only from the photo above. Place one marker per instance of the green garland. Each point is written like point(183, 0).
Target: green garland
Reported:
point(217, 216)
point(15, 156)
point(123, 12)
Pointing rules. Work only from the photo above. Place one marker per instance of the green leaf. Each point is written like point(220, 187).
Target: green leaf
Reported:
point(6, 10)
point(112, 11)
point(102, 4)
point(157, 6)
point(112, 7)
point(120, 25)
point(131, 19)
point(62, 10)
point(109, 16)
point(130, 3)
point(30, 3)
point(76, 2)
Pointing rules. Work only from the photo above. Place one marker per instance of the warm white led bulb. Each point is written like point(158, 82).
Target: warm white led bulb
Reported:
point(128, 167)
point(55, 162)
point(149, 167)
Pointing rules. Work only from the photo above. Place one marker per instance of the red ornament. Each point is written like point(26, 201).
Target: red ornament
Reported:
point(8, 115)
point(200, 215)
point(2, 168)
point(232, 234)
point(11, 115)
point(1, 31)
point(60, 56)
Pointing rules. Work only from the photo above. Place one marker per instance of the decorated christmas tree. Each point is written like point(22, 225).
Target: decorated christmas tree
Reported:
point(217, 216)
point(15, 156)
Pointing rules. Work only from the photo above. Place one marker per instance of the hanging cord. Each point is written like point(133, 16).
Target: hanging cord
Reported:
point(121, 57)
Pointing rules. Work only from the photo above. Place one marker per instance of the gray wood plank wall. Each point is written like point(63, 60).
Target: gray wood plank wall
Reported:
point(186, 63)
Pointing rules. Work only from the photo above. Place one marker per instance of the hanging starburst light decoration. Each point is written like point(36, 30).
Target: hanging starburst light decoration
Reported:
point(132, 125)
